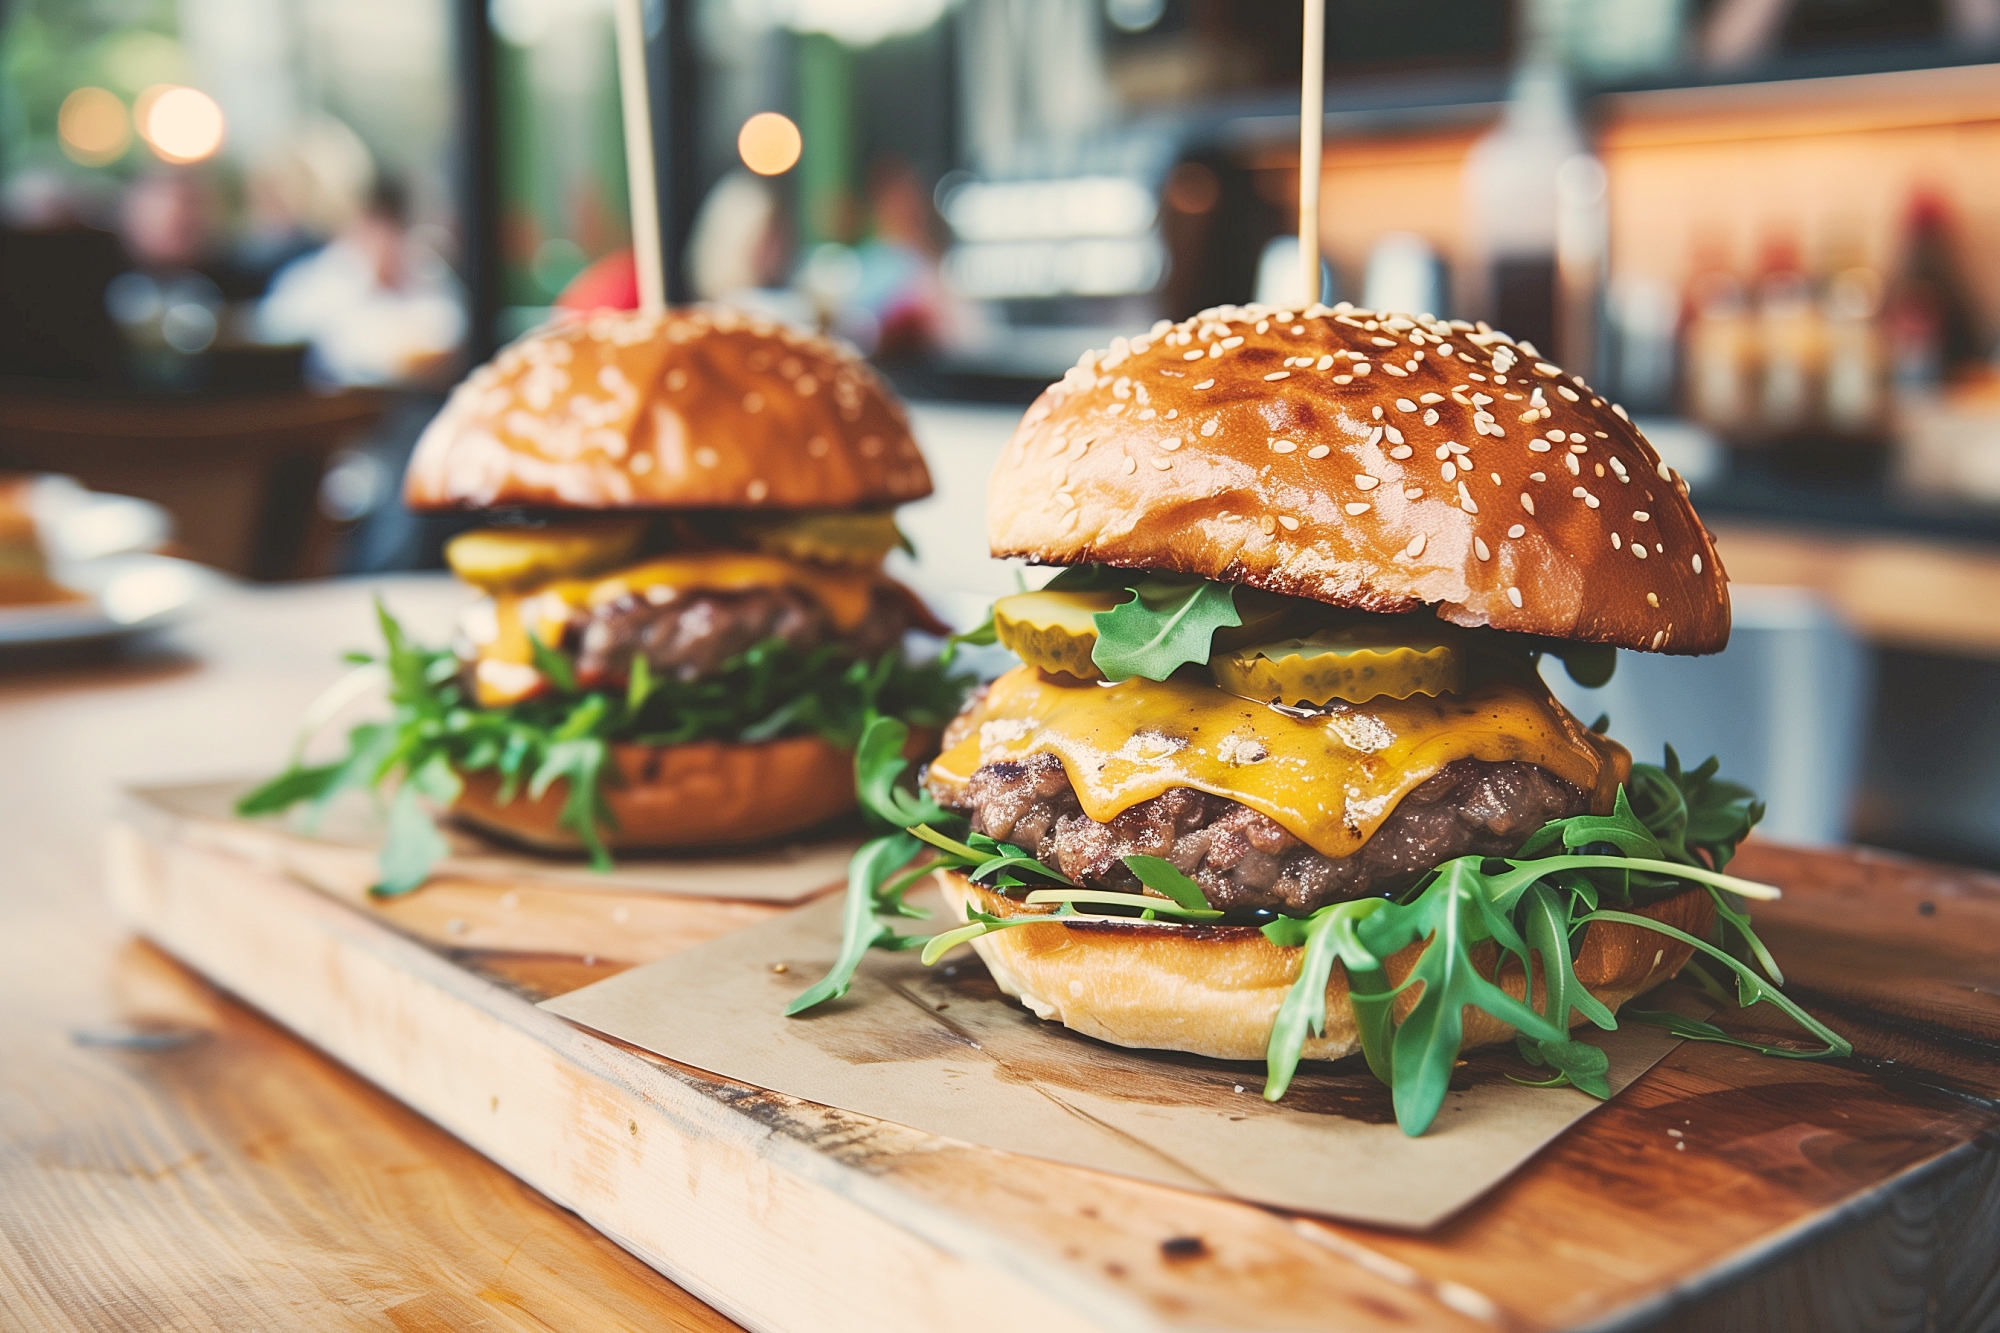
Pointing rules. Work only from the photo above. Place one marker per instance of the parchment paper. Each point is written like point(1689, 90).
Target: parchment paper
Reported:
point(940, 1049)
point(337, 855)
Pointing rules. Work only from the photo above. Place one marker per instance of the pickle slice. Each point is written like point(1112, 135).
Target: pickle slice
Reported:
point(1355, 663)
point(1266, 616)
point(1054, 630)
point(829, 539)
point(498, 559)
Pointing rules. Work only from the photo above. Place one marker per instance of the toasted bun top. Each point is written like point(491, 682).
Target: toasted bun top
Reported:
point(693, 408)
point(1368, 460)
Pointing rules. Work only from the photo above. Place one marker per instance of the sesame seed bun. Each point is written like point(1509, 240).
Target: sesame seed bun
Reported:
point(1368, 460)
point(1215, 990)
point(693, 408)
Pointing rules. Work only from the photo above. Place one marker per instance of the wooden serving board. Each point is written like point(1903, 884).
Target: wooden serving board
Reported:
point(1724, 1189)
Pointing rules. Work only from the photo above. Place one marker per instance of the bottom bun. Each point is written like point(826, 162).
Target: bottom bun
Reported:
point(664, 797)
point(1215, 990)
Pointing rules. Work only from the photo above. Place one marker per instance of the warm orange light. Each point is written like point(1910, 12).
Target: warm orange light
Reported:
point(769, 143)
point(93, 126)
point(179, 124)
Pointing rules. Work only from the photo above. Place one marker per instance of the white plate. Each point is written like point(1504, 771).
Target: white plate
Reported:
point(123, 594)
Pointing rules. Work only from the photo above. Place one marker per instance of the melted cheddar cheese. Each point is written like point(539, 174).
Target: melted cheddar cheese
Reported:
point(1330, 779)
point(499, 628)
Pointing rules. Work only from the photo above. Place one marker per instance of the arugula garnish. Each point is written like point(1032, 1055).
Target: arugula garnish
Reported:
point(1165, 625)
point(437, 734)
point(1668, 831)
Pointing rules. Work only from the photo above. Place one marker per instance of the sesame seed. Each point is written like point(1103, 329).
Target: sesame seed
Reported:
point(1192, 356)
point(1163, 463)
point(1319, 451)
point(1639, 550)
point(1210, 426)
point(706, 456)
point(1450, 471)
point(1283, 446)
point(1376, 412)
point(1267, 525)
point(1569, 461)
point(1431, 416)
point(1343, 379)
point(1416, 546)
point(1653, 599)
point(1171, 443)
point(1539, 446)
point(1660, 548)
point(1431, 398)
point(1556, 435)
point(1395, 436)
point(1538, 476)
point(1619, 412)
point(1324, 363)
point(1364, 482)
point(1401, 451)
point(1465, 500)
point(1206, 384)
point(1566, 392)
point(1517, 531)
point(1413, 492)
point(1288, 523)
point(1480, 549)
point(1356, 507)
point(1380, 341)
point(1600, 469)
point(1362, 367)
point(1298, 329)
point(1514, 596)
point(1235, 340)
point(1278, 375)
point(1527, 502)
point(1614, 541)
point(1544, 368)
point(1697, 564)
point(1641, 516)
point(1405, 405)
point(1658, 637)
point(1263, 326)
point(1131, 465)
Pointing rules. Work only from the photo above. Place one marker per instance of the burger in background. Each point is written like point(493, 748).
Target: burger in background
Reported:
point(1282, 709)
point(682, 622)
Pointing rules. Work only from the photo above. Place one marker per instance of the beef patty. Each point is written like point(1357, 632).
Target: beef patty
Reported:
point(688, 635)
point(1243, 859)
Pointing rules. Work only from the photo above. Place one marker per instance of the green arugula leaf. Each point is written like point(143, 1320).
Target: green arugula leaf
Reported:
point(413, 844)
point(1164, 877)
point(288, 789)
point(879, 765)
point(1164, 625)
point(1577, 1064)
point(1113, 898)
point(872, 864)
point(1328, 934)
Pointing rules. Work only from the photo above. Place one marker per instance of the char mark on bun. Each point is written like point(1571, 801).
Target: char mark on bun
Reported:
point(1279, 743)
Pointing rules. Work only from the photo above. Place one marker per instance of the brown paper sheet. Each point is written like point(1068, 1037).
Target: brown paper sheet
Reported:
point(337, 854)
point(942, 1050)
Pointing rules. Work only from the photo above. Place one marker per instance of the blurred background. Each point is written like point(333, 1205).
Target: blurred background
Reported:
point(249, 244)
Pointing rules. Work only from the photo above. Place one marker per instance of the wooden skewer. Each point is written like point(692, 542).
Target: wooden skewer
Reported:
point(639, 180)
point(1312, 116)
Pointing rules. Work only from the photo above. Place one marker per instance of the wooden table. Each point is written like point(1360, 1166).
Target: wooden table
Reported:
point(167, 1157)
point(170, 1158)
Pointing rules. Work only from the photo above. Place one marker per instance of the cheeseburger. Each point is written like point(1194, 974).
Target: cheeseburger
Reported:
point(682, 618)
point(1288, 680)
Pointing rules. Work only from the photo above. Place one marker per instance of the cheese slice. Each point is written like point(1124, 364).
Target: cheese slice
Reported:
point(1330, 779)
point(498, 628)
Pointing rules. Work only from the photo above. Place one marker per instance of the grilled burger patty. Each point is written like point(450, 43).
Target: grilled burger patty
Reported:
point(1245, 860)
point(688, 635)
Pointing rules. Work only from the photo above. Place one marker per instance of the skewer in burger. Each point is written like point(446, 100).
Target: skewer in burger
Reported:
point(1282, 709)
point(682, 617)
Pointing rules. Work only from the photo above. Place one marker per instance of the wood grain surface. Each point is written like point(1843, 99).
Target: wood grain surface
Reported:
point(168, 1158)
point(236, 1179)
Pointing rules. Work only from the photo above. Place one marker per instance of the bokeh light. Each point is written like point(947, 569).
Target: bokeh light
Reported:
point(93, 127)
point(769, 143)
point(180, 124)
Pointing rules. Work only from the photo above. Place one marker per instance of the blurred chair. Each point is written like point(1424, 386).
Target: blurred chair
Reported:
point(1784, 707)
point(240, 473)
